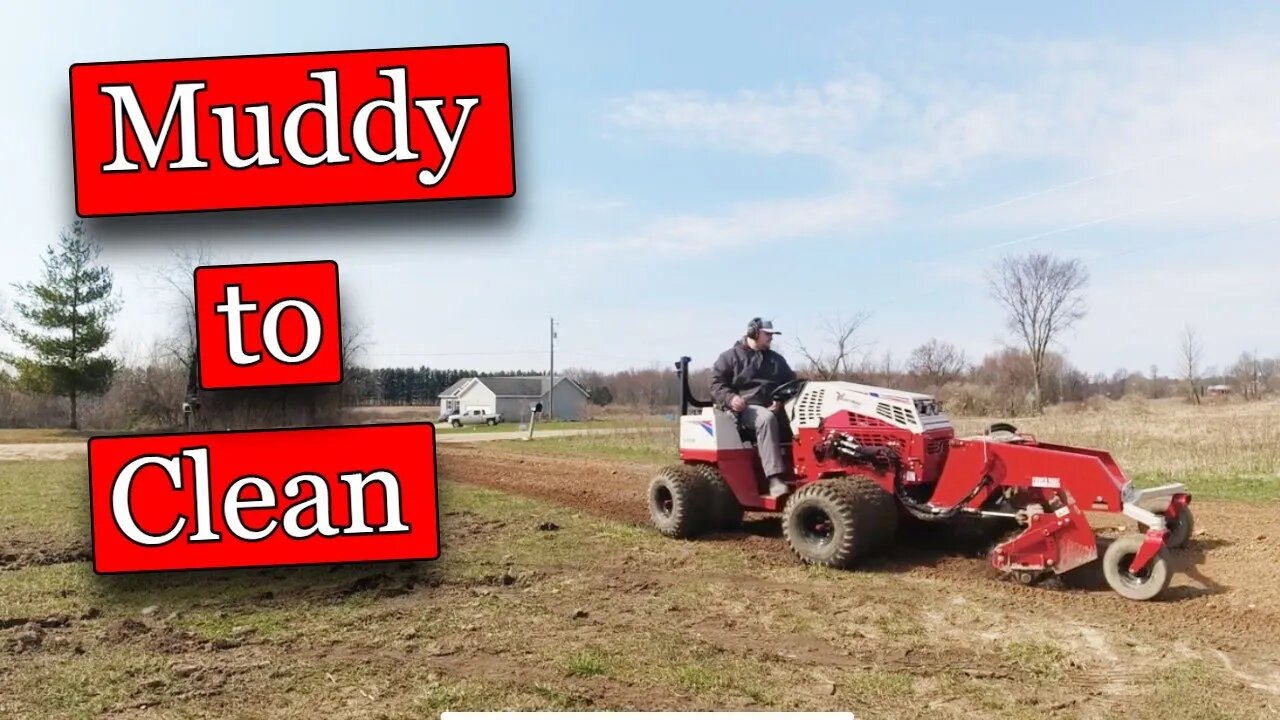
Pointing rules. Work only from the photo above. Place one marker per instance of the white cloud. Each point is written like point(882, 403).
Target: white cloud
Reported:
point(1155, 136)
point(798, 120)
point(764, 221)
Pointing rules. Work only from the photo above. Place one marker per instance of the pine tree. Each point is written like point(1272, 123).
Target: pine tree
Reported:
point(66, 318)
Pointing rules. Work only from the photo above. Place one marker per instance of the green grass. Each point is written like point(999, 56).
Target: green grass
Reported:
point(1240, 488)
point(588, 663)
point(646, 445)
point(40, 435)
point(44, 503)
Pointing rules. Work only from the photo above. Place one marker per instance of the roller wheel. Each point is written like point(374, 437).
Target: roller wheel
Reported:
point(881, 509)
point(1144, 585)
point(678, 502)
point(825, 524)
point(1180, 527)
point(726, 511)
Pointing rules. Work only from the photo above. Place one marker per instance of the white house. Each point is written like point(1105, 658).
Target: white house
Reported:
point(512, 397)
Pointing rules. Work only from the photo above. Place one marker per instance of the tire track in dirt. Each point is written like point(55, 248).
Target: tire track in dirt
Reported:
point(1225, 593)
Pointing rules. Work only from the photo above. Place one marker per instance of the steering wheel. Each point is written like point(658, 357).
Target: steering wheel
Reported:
point(788, 390)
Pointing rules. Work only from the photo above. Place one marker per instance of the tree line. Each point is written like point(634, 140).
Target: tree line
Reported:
point(62, 325)
point(412, 385)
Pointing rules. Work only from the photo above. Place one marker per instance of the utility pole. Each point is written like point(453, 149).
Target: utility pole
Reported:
point(551, 383)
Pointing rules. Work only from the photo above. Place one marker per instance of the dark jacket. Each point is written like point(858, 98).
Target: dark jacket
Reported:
point(753, 374)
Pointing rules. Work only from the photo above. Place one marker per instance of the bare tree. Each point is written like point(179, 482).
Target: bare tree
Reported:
point(1247, 373)
point(842, 344)
point(937, 362)
point(174, 282)
point(1043, 296)
point(1191, 355)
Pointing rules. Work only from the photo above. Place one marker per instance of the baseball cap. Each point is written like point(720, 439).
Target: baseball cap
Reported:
point(767, 326)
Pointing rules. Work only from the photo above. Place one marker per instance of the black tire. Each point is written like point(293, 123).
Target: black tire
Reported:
point(880, 508)
point(456, 423)
point(1145, 585)
point(825, 524)
point(1180, 527)
point(1001, 427)
point(679, 505)
point(726, 511)
point(490, 422)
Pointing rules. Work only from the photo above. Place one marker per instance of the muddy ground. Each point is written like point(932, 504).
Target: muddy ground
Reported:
point(1224, 602)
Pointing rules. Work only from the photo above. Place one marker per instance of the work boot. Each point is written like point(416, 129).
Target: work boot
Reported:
point(777, 488)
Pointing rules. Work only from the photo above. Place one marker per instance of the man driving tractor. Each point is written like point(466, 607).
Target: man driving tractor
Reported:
point(742, 381)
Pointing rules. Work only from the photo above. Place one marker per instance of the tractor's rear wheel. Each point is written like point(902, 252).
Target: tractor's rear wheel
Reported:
point(1142, 585)
point(826, 523)
point(726, 511)
point(679, 502)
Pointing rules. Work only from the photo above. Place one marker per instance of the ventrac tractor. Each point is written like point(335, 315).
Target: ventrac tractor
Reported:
point(868, 463)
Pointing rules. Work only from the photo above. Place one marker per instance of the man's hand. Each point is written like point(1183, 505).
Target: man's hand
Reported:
point(737, 404)
point(776, 406)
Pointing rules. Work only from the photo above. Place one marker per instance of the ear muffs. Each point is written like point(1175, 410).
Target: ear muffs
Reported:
point(753, 328)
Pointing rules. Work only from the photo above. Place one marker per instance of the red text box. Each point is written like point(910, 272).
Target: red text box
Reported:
point(263, 498)
point(266, 131)
point(270, 324)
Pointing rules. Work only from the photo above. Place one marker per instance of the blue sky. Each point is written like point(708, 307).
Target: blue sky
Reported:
point(685, 166)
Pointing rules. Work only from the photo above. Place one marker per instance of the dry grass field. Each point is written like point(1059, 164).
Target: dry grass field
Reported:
point(1226, 450)
point(1169, 439)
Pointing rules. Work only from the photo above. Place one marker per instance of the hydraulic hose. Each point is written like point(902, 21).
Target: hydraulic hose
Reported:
point(881, 456)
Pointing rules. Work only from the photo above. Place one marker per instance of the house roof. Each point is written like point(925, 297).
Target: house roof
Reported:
point(521, 387)
point(455, 388)
point(515, 386)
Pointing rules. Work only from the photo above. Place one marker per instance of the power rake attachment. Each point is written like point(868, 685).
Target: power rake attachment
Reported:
point(871, 463)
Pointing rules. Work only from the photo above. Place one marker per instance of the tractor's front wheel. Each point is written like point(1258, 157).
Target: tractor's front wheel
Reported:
point(678, 502)
point(824, 524)
point(1145, 584)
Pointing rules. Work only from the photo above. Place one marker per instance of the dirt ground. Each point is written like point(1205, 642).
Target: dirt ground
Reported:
point(1223, 605)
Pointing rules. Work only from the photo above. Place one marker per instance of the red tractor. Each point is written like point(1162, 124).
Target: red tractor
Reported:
point(866, 459)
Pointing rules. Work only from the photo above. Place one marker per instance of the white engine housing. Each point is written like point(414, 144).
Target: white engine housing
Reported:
point(908, 410)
